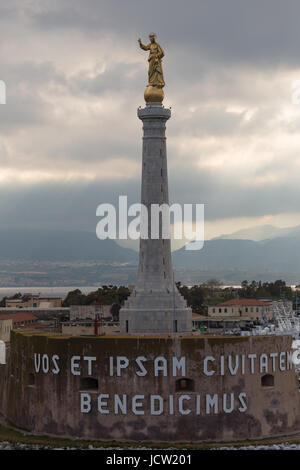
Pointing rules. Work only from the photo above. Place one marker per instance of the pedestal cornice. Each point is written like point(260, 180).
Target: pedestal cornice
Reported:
point(154, 111)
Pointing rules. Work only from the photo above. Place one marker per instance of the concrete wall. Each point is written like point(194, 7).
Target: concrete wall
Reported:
point(89, 311)
point(251, 312)
point(87, 329)
point(5, 329)
point(58, 401)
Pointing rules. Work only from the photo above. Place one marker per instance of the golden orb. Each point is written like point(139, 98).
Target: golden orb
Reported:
point(153, 94)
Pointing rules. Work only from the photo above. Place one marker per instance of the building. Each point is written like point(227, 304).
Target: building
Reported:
point(242, 309)
point(6, 325)
point(34, 301)
point(212, 324)
point(49, 302)
point(20, 320)
point(83, 312)
point(199, 321)
point(151, 388)
point(79, 328)
point(87, 328)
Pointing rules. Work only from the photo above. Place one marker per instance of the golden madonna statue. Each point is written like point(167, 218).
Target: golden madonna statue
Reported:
point(154, 92)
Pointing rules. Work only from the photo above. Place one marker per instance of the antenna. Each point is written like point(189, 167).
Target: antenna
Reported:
point(173, 302)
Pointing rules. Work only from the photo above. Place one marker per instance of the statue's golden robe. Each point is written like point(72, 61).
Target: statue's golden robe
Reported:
point(155, 72)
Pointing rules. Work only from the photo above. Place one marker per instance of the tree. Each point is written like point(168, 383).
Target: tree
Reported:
point(15, 296)
point(214, 283)
point(105, 295)
point(75, 297)
point(115, 310)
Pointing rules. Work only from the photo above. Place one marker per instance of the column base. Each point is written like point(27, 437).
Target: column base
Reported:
point(155, 321)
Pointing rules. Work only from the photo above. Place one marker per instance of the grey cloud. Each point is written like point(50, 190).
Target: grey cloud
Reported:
point(92, 149)
point(216, 54)
point(65, 206)
point(207, 120)
point(22, 111)
point(118, 76)
point(32, 73)
point(264, 31)
point(73, 205)
point(229, 197)
point(25, 105)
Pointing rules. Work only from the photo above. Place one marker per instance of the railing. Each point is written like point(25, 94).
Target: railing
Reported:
point(286, 318)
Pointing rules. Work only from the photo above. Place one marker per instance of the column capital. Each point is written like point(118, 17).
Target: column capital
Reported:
point(154, 111)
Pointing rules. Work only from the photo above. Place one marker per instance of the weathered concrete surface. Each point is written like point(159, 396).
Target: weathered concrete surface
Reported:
point(155, 305)
point(50, 403)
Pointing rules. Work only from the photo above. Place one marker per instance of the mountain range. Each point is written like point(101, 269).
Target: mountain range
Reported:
point(279, 252)
point(55, 245)
point(260, 232)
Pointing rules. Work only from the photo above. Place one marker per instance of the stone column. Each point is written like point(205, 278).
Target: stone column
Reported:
point(155, 305)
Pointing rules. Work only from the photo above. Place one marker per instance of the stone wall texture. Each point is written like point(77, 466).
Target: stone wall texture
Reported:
point(50, 403)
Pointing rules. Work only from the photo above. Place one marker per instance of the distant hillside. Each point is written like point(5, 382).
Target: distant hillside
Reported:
point(61, 246)
point(280, 254)
point(260, 232)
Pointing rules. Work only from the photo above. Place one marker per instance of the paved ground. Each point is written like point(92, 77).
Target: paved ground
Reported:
point(20, 446)
point(270, 447)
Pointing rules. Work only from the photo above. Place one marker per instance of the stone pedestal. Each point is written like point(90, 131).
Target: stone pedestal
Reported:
point(155, 305)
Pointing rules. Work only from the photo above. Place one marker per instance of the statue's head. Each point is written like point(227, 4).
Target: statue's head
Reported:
point(152, 37)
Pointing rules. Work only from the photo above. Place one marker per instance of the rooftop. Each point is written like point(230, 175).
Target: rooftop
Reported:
point(245, 302)
point(18, 317)
point(197, 316)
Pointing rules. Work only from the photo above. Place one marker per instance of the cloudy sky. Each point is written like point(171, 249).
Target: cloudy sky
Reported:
point(70, 138)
